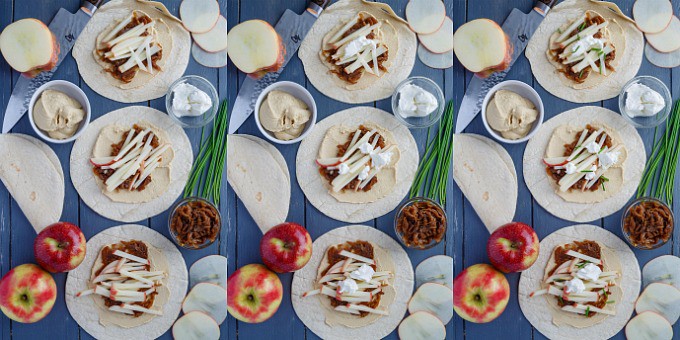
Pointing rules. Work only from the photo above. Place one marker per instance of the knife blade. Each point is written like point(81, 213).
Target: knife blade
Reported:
point(66, 27)
point(291, 27)
point(519, 27)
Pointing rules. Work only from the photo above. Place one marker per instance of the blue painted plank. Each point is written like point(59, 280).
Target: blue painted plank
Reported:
point(6, 14)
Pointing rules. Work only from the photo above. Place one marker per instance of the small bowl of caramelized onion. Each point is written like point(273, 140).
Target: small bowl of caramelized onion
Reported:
point(195, 223)
point(420, 223)
point(647, 223)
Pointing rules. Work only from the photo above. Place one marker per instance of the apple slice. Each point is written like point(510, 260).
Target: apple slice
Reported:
point(422, 326)
point(667, 40)
point(663, 269)
point(208, 298)
point(195, 326)
point(434, 298)
point(660, 298)
point(214, 40)
point(665, 60)
point(425, 16)
point(199, 16)
point(436, 269)
point(210, 269)
point(439, 61)
point(480, 45)
point(28, 45)
point(441, 40)
point(254, 45)
point(649, 326)
point(208, 59)
point(652, 16)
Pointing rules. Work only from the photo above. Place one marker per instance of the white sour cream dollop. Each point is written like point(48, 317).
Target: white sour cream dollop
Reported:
point(589, 272)
point(607, 159)
point(642, 101)
point(593, 147)
point(381, 159)
point(363, 273)
point(343, 168)
point(348, 286)
point(190, 101)
point(575, 286)
point(366, 148)
point(590, 175)
point(364, 173)
point(588, 43)
point(415, 101)
point(570, 168)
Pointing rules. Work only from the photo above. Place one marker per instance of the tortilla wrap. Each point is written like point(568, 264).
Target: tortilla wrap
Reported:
point(175, 41)
point(316, 188)
point(485, 173)
point(627, 40)
point(541, 314)
point(260, 180)
point(32, 174)
point(400, 40)
point(311, 310)
point(152, 203)
point(86, 312)
point(543, 188)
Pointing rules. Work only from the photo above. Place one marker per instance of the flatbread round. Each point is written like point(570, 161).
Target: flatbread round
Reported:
point(84, 309)
point(175, 40)
point(316, 188)
point(402, 54)
point(538, 311)
point(543, 188)
point(278, 157)
point(88, 186)
point(627, 62)
point(311, 311)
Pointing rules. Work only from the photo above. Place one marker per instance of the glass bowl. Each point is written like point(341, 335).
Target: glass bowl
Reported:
point(409, 202)
point(182, 202)
point(420, 122)
point(197, 121)
point(627, 211)
point(656, 85)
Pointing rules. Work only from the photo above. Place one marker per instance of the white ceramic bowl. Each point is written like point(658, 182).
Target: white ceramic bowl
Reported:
point(523, 90)
point(73, 91)
point(296, 91)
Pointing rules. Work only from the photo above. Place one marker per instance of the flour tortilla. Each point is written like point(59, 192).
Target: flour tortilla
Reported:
point(86, 312)
point(486, 175)
point(259, 179)
point(627, 62)
point(311, 311)
point(88, 186)
point(316, 188)
point(32, 174)
point(175, 40)
point(278, 157)
point(401, 42)
point(542, 187)
point(540, 313)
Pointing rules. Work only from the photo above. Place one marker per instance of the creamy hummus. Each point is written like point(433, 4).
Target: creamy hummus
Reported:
point(57, 114)
point(510, 114)
point(284, 115)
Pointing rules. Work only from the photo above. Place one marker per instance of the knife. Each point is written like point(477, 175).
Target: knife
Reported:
point(292, 28)
point(519, 27)
point(66, 28)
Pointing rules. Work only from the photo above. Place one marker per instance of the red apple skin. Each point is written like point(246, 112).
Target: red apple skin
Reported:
point(513, 247)
point(480, 293)
point(27, 293)
point(286, 247)
point(60, 247)
point(254, 293)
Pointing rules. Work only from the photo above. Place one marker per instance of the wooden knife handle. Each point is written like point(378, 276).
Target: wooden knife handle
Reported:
point(549, 3)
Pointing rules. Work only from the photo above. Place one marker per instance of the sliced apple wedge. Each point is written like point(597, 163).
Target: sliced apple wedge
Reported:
point(434, 298)
point(214, 40)
point(28, 45)
point(665, 60)
point(667, 40)
point(210, 269)
point(209, 59)
point(660, 298)
point(199, 16)
point(663, 269)
point(652, 16)
point(480, 45)
point(207, 298)
point(254, 46)
point(439, 61)
point(441, 40)
point(649, 326)
point(422, 326)
point(196, 326)
point(425, 16)
point(436, 269)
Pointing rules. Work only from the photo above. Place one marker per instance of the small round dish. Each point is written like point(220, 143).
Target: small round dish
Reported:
point(401, 210)
point(296, 91)
point(197, 121)
point(175, 210)
point(72, 91)
point(656, 85)
point(629, 209)
point(523, 90)
point(419, 122)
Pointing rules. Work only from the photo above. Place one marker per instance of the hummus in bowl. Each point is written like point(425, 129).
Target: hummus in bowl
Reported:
point(512, 111)
point(285, 112)
point(59, 111)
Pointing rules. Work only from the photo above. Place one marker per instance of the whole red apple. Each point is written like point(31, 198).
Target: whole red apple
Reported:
point(254, 293)
point(27, 293)
point(286, 247)
point(480, 293)
point(60, 247)
point(513, 247)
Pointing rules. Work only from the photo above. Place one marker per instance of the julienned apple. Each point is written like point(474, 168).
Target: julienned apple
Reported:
point(27, 293)
point(513, 247)
point(480, 293)
point(286, 247)
point(254, 293)
point(60, 247)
